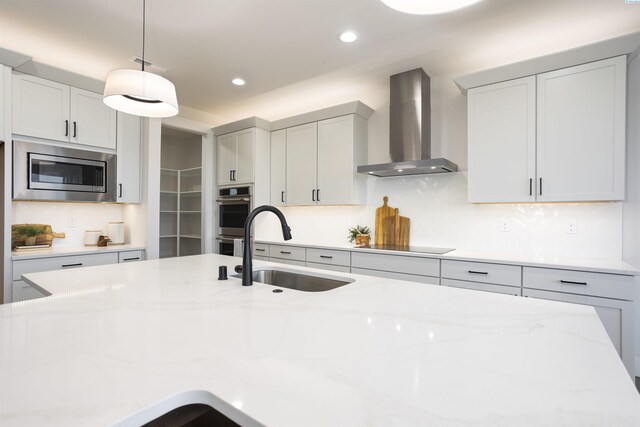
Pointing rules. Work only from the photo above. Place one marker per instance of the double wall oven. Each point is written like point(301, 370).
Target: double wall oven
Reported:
point(234, 206)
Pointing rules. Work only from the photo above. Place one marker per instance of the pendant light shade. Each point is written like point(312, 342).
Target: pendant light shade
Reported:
point(140, 93)
point(428, 7)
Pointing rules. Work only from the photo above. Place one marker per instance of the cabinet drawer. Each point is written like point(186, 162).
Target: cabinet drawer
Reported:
point(260, 249)
point(397, 263)
point(497, 274)
point(476, 286)
point(332, 267)
point(288, 261)
point(21, 267)
point(396, 276)
point(580, 282)
point(327, 256)
point(287, 252)
point(261, 258)
point(130, 256)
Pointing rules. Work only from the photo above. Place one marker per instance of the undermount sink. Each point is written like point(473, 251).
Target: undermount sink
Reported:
point(300, 282)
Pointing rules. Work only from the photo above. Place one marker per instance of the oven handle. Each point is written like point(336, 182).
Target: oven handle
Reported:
point(226, 239)
point(235, 199)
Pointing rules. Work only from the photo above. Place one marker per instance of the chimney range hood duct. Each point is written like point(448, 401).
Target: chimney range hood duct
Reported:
point(410, 129)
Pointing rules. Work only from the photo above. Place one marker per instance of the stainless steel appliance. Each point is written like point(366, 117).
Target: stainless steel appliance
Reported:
point(234, 206)
point(49, 172)
point(410, 129)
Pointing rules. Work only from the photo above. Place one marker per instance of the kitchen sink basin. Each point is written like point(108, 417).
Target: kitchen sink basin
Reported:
point(299, 281)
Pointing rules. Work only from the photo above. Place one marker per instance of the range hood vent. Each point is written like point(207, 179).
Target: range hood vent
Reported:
point(410, 129)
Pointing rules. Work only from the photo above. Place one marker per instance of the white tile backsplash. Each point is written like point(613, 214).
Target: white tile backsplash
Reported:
point(87, 216)
point(440, 216)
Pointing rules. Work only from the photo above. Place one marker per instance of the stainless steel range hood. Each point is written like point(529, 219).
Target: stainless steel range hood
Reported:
point(410, 129)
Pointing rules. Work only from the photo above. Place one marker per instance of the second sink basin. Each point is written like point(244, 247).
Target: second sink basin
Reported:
point(298, 281)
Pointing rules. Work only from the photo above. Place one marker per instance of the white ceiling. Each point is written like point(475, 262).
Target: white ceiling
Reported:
point(280, 44)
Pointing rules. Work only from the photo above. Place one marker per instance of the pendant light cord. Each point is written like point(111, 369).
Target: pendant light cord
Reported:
point(144, 16)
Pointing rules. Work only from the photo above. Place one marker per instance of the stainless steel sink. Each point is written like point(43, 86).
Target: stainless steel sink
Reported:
point(300, 282)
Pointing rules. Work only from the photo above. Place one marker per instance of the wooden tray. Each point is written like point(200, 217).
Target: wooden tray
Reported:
point(45, 238)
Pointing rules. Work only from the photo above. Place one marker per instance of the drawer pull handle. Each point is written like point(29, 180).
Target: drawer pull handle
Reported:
point(285, 252)
point(131, 259)
point(72, 265)
point(326, 256)
point(478, 272)
point(569, 282)
point(260, 250)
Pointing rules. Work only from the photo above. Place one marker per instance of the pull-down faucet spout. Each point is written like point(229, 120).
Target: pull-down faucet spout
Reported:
point(247, 263)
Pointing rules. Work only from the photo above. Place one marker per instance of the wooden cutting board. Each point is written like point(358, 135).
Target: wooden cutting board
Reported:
point(382, 213)
point(391, 228)
point(46, 238)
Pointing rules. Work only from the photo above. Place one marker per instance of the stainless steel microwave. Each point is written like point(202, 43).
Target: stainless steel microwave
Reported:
point(49, 172)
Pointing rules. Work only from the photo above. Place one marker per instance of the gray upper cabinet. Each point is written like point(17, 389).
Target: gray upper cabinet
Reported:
point(554, 137)
point(50, 110)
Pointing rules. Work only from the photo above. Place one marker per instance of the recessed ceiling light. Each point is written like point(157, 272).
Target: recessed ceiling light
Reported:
point(434, 167)
point(348, 36)
point(428, 7)
point(238, 81)
point(400, 170)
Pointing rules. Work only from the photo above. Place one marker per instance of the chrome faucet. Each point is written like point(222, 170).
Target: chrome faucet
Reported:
point(247, 267)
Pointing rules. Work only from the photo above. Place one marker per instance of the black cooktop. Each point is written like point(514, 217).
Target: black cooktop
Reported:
point(417, 249)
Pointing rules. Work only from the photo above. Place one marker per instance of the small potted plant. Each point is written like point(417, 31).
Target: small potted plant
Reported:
point(29, 232)
point(360, 235)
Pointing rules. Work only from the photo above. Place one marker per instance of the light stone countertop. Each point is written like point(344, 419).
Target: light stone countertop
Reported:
point(601, 265)
point(71, 250)
point(122, 344)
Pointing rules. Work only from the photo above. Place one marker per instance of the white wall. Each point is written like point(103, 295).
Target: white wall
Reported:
point(87, 216)
point(440, 216)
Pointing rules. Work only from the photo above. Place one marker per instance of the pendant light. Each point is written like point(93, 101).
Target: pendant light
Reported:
point(428, 7)
point(140, 93)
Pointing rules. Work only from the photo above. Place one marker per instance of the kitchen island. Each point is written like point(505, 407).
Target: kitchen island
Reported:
point(123, 344)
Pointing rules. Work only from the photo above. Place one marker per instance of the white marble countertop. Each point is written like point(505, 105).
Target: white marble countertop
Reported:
point(601, 265)
point(122, 344)
point(71, 250)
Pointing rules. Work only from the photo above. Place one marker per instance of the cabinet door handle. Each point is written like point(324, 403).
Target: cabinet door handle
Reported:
point(260, 250)
point(318, 195)
point(541, 186)
point(72, 265)
point(66, 128)
point(326, 256)
point(569, 282)
point(285, 252)
point(131, 259)
point(531, 186)
point(75, 129)
point(477, 272)
point(282, 197)
point(120, 190)
point(313, 195)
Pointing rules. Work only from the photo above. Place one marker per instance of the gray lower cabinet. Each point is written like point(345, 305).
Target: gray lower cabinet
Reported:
point(415, 269)
point(611, 295)
point(481, 276)
point(329, 259)
point(22, 291)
